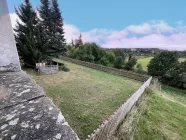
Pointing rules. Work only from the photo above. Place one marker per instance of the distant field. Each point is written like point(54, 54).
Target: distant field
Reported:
point(182, 59)
point(86, 96)
point(162, 117)
point(144, 61)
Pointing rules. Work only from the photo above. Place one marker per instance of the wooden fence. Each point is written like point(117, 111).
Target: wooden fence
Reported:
point(124, 73)
point(109, 127)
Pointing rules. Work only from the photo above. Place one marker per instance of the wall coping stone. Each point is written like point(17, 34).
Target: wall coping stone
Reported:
point(26, 112)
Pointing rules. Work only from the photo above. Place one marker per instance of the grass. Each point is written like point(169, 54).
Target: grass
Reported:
point(144, 61)
point(182, 59)
point(163, 117)
point(85, 96)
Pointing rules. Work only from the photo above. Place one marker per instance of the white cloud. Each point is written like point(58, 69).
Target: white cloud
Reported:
point(152, 34)
point(14, 19)
point(153, 26)
point(71, 32)
point(139, 29)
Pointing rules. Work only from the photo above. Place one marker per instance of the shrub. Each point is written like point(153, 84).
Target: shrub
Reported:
point(168, 69)
point(162, 62)
point(155, 85)
point(131, 63)
point(104, 61)
point(139, 65)
point(118, 62)
point(148, 90)
point(110, 56)
point(176, 76)
point(72, 51)
point(64, 68)
point(139, 68)
point(120, 52)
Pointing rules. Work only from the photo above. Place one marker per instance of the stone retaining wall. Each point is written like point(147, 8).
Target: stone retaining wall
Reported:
point(109, 127)
point(124, 73)
point(48, 69)
point(26, 113)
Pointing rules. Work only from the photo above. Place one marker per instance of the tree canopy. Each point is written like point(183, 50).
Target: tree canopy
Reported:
point(168, 69)
point(30, 39)
point(39, 37)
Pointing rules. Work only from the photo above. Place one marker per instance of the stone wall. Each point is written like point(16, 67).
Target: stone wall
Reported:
point(26, 113)
point(124, 73)
point(48, 69)
point(107, 130)
point(9, 60)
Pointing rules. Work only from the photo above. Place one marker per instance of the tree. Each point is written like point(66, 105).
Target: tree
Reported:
point(90, 52)
point(111, 57)
point(104, 61)
point(46, 15)
point(108, 58)
point(139, 68)
point(175, 76)
point(98, 52)
point(118, 62)
point(58, 42)
point(79, 41)
point(120, 52)
point(162, 62)
point(130, 56)
point(72, 51)
point(72, 43)
point(131, 63)
point(30, 39)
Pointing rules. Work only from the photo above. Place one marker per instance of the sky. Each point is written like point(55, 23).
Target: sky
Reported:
point(122, 23)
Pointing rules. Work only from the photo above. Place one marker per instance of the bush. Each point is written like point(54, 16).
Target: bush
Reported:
point(64, 68)
point(104, 61)
point(131, 63)
point(139, 68)
point(139, 65)
point(168, 69)
point(72, 52)
point(175, 77)
point(120, 52)
point(118, 62)
point(110, 56)
point(162, 62)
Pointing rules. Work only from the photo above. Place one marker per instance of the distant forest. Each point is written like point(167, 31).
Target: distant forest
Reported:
point(146, 51)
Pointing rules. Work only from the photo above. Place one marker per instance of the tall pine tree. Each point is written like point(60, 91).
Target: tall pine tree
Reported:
point(30, 39)
point(59, 42)
point(47, 23)
point(46, 15)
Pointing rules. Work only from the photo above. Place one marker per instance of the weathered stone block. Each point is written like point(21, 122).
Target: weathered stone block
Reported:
point(9, 60)
point(27, 114)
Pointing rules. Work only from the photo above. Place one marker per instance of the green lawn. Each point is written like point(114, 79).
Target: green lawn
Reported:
point(182, 59)
point(162, 117)
point(144, 61)
point(85, 96)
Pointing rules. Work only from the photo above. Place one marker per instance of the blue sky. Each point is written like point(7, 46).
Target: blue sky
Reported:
point(162, 20)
